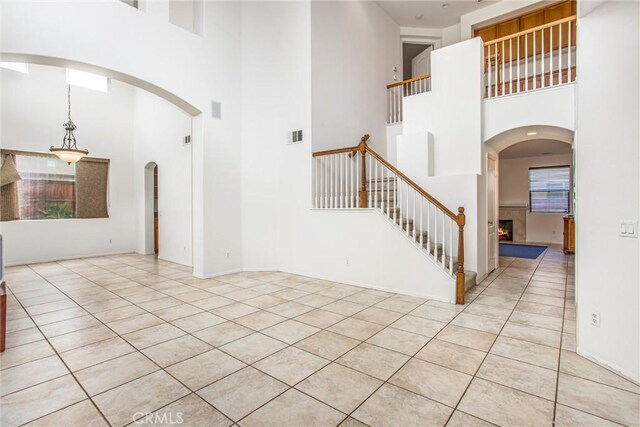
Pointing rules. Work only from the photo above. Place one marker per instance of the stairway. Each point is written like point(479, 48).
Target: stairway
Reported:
point(382, 194)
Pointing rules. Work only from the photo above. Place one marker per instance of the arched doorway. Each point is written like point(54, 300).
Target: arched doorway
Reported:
point(151, 220)
point(516, 213)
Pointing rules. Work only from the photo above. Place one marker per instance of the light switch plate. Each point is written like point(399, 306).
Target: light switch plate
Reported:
point(629, 229)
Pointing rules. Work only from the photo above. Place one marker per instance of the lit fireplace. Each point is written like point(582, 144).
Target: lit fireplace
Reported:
point(505, 230)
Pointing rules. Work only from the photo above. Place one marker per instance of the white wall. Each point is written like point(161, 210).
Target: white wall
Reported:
point(158, 132)
point(354, 46)
point(34, 106)
point(514, 191)
point(608, 179)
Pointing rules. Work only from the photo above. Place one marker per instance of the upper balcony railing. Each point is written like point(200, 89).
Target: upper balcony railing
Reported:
point(397, 91)
point(537, 58)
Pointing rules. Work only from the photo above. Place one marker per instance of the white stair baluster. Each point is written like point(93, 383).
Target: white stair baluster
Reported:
point(502, 73)
point(450, 246)
point(421, 227)
point(415, 223)
point(375, 169)
point(560, 69)
point(526, 62)
point(435, 232)
point(569, 75)
point(407, 211)
point(518, 64)
point(535, 69)
point(489, 71)
point(551, 57)
point(444, 253)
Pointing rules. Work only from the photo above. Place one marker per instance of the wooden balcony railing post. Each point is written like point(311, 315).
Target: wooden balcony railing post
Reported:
point(460, 273)
point(362, 147)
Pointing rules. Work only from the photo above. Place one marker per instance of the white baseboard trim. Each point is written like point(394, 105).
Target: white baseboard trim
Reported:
point(235, 270)
point(613, 368)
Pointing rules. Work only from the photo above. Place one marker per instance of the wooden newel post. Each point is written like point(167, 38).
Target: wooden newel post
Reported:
point(460, 273)
point(362, 147)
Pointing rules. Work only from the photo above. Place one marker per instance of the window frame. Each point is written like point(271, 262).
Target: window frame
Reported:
point(569, 191)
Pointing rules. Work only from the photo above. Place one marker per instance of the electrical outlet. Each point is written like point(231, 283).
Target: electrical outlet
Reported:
point(110, 241)
point(595, 319)
point(348, 262)
point(228, 255)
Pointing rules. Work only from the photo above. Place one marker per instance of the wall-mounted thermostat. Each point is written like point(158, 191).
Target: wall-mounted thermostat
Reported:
point(295, 137)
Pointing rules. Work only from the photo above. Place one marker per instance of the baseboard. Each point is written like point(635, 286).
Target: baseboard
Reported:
point(67, 258)
point(235, 270)
point(613, 368)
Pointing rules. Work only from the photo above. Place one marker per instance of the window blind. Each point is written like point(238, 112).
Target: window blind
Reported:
point(550, 189)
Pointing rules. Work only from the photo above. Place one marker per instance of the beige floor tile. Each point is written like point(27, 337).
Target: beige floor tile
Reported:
point(397, 305)
point(135, 323)
point(393, 406)
point(537, 320)
point(34, 402)
point(92, 354)
point(543, 299)
point(212, 302)
point(71, 325)
point(432, 381)
point(467, 337)
point(57, 316)
point(233, 311)
point(327, 344)
point(25, 353)
point(279, 365)
point(578, 366)
point(176, 350)
point(352, 422)
point(177, 312)
point(154, 335)
point(453, 356)
point(193, 411)
point(354, 328)
point(124, 404)
point(290, 294)
point(419, 325)
point(104, 376)
point(505, 406)
point(81, 338)
point(290, 331)
point(345, 308)
point(31, 373)
point(339, 387)
point(320, 318)
point(260, 320)
point(525, 351)
point(498, 302)
point(532, 334)
point(243, 392)
point(522, 376)
point(63, 304)
point(488, 311)
point(252, 348)
point(223, 333)
point(434, 313)
point(119, 313)
point(19, 324)
point(480, 323)
point(293, 408)
point(378, 315)
point(81, 414)
point(290, 309)
point(24, 336)
point(398, 340)
point(569, 417)
point(373, 360)
point(198, 322)
point(365, 298)
point(204, 369)
point(460, 419)
point(264, 301)
point(611, 403)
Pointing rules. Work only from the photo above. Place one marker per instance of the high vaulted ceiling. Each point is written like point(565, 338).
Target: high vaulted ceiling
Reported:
point(433, 14)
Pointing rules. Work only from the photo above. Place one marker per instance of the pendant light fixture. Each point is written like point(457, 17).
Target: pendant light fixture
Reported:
point(69, 152)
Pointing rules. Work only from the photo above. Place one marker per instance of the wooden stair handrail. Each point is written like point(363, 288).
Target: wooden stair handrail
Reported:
point(532, 30)
point(413, 185)
point(411, 80)
point(334, 151)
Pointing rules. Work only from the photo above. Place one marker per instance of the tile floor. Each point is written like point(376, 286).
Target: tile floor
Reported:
point(131, 340)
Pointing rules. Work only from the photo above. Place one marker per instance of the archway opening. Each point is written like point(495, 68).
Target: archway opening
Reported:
point(151, 220)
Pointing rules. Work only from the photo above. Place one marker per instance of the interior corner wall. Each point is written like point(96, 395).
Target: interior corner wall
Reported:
point(514, 191)
point(33, 108)
point(159, 129)
point(354, 46)
point(607, 184)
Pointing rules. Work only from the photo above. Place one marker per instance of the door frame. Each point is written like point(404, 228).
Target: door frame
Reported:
point(496, 206)
point(434, 41)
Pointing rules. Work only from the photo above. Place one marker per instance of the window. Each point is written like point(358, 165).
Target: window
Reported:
point(549, 189)
point(40, 186)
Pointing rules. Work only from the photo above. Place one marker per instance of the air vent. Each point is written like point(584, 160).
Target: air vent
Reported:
point(295, 137)
point(187, 139)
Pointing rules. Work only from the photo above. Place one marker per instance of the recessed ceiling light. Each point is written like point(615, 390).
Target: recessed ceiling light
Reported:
point(419, 16)
point(445, 5)
point(532, 133)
